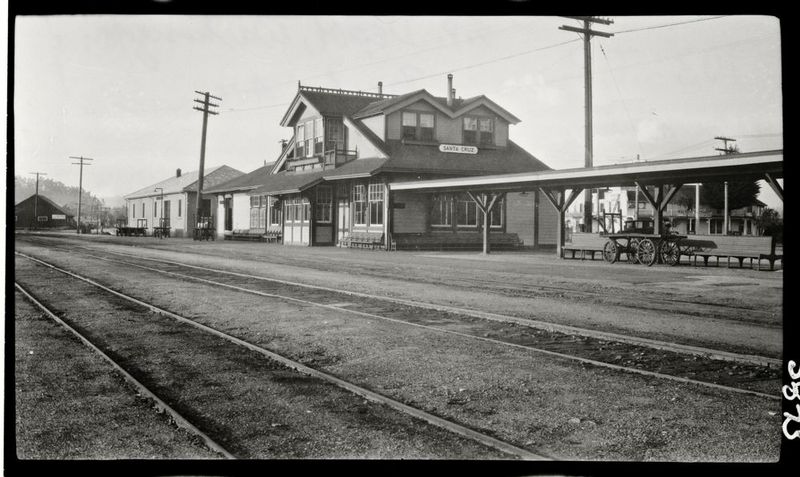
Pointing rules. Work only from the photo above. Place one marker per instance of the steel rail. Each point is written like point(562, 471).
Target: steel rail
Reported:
point(456, 333)
point(292, 364)
point(531, 323)
point(179, 420)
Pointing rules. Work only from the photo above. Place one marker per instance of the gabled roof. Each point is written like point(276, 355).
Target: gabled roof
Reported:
point(47, 201)
point(244, 182)
point(330, 102)
point(424, 158)
point(458, 108)
point(187, 182)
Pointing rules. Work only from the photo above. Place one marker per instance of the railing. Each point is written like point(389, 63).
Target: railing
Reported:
point(347, 91)
point(337, 157)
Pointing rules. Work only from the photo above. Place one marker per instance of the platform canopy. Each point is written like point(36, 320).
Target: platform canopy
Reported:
point(762, 165)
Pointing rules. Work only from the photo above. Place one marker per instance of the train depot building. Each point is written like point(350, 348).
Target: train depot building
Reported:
point(37, 211)
point(329, 184)
point(172, 202)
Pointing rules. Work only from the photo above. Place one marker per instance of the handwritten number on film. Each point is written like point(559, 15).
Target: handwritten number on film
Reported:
point(790, 392)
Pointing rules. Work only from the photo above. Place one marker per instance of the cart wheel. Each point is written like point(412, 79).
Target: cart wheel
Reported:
point(611, 251)
point(646, 252)
point(633, 245)
point(670, 253)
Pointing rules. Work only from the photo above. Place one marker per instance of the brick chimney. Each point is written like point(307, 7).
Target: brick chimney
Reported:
point(450, 89)
point(380, 88)
point(178, 173)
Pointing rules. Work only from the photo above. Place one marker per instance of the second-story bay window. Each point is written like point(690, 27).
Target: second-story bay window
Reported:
point(478, 130)
point(318, 135)
point(300, 142)
point(418, 126)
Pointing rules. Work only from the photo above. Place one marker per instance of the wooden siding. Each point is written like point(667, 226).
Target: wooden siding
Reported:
point(448, 131)
point(241, 211)
point(413, 217)
point(520, 215)
point(548, 221)
point(357, 141)
point(377, 124)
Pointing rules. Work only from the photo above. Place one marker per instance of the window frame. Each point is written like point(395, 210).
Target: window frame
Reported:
point(445, 205)
point(376, 196)
point(359, 202)
point(478, 134)
point(323, 206)
point(465, 199)
point(417, 125)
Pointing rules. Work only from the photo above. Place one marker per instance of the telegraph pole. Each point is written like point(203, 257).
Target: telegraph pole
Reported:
point(36, 200)
point(726, 150)
point(80, 184)
point(588, 33)
point(206, 111)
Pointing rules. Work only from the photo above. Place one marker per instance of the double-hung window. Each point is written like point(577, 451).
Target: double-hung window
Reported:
point(133, 212)
point(318, 135)
point(466, 211)
point(496, 215)
point(274, 211)
point(418, 126)
point(478, 130)
point(442, 210)
point(359, 205)
point(300, 143)
point(376, 204)
point(324, 204)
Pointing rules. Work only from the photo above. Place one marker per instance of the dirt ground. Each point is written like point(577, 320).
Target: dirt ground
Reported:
point(565, 409)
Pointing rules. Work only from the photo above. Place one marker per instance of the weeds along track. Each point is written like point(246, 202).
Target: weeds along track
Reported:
point(727, 371)
point(159, 403)
point(625, 297)
point(194, 371)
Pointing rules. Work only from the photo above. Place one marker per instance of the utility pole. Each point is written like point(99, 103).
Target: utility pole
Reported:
point(726, 150)
point(206, 111)
point(588, 33)
point(36, 200)
point(80, 184)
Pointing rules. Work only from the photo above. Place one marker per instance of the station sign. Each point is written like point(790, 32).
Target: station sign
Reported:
point(59, 217)
point(458, 148)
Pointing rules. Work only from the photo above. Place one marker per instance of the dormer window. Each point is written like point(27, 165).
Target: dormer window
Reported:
point(478, 130)
point(418, 126)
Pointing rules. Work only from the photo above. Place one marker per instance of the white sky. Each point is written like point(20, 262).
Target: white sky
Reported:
point(120, 89)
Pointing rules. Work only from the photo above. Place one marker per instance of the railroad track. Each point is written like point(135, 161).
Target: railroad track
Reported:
point(527, 322)
point(573, 348)
point(417, 413)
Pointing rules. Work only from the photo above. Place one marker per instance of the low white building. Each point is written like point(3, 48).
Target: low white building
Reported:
point(173, 201)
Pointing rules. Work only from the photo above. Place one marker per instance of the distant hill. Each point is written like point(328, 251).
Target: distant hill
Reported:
point(63, 195)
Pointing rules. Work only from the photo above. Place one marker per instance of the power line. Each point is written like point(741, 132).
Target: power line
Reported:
point(80, 184)
point(495, 60)
point(670, 24)
point(625, 106)
point(206, 110)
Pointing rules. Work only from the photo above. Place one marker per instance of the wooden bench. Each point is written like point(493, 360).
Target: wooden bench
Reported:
point(730, 246)
point(161, 232)
point(372, 240)
point(256, 235)
point(460, 241)
point(584, 242)
point(131, 231)
point(273, 233)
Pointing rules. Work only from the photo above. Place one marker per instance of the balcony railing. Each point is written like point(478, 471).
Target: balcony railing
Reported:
point(337, 157)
